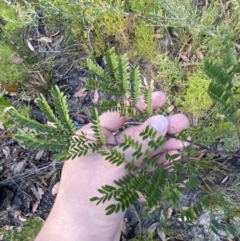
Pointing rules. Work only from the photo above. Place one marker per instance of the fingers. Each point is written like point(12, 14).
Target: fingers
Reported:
point(177, 123)
point(163, 125)
point(170, 144)
point(159, 123)
point(112, 121)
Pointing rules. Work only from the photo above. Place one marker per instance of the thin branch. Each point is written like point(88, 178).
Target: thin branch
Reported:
point(207, 149)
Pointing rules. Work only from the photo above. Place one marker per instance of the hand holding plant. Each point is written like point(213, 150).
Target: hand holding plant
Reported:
point(73, 216)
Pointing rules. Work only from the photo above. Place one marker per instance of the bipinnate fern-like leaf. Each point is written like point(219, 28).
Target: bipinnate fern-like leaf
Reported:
point(113, 156)
point(128, 142)
point(61, 107)
point(112, 63)
point(32, 124)
point(96, 127)
point(218, 93)
point(151, 134)
point(79, 146)
point(148, 101)
point(39, 142)
point(222, 89)
point(125, 193)
point(120, 107)
point(101, 74)
point(136, 83)
point(126, 190)
point(215, 71)
point(47, 111)
point(122, 73)
point(155, 186)
point(54, 138)
point(122, 82)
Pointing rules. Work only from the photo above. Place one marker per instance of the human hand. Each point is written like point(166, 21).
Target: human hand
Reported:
point(73, 216)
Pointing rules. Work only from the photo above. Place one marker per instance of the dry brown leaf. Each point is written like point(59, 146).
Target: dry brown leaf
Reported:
point(189, 48)
point(37, 192)
point(224, 179)
point(200, 55)
point(170, 108)
point(45, 39)
point(15, 59)
point(195, 120)
point(30, 46)
point(185, 65)
point(7, 227)
point(145, 81)
point(151, 84)
point(81, 93)
point(35, 206)
point(55, 34)
point(22, 219)
point(41, 77)
point(17, 213)
point(158, 30)
point(95, 96)
point(6, 151)
point(9, 88)
point(158, 35)
point(19, 229)
point(18, 167)
point(55, 188)
point(41, 192)
point(174, 33)
point(161, 234)
point(184, 58)
point(169, 212)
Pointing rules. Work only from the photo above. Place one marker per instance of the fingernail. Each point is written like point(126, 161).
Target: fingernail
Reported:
point(160, 123)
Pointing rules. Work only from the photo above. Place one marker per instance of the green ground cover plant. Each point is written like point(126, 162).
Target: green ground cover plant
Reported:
point(173, 40)
point(31, 228)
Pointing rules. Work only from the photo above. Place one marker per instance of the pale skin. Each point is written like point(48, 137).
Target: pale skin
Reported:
point(73, 217)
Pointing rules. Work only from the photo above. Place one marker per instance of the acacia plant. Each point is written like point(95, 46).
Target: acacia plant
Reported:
point(224, 89)
point(116, 78)
point(122, 85)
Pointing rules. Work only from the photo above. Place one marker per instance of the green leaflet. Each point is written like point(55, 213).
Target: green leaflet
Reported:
point(96, 127)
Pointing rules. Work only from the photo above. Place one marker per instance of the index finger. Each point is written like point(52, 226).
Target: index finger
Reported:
point(112, 121)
